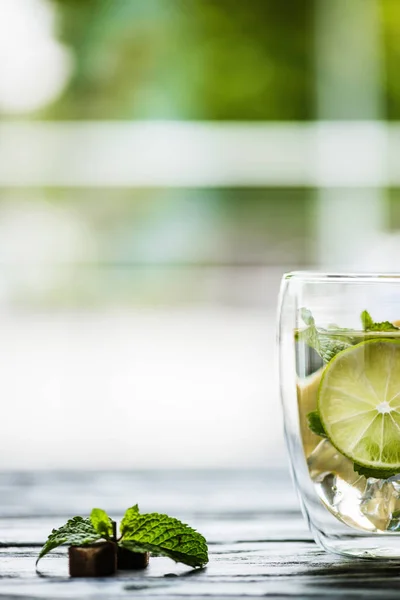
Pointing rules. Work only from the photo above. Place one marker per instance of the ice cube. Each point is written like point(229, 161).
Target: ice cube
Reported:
point(338, 486)
point(367, 504)
point(379, 502)
point(325, 459)
point(343, 501)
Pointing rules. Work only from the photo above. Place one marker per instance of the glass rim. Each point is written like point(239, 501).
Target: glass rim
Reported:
point(321, 276)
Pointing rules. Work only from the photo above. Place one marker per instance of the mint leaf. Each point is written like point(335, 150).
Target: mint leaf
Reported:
point(163, 536)
point(101, 523)
point(130, 515)
point(307, 317)
point(76, 532)
point(329, 346)
point(376, 473)
point(325, 342)
point(369, 324)
point(315, 423)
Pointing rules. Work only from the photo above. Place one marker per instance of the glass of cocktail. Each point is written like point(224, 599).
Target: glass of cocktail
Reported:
point(339, 349)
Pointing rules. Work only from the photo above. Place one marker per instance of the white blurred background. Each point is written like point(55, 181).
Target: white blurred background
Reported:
point(161, 165)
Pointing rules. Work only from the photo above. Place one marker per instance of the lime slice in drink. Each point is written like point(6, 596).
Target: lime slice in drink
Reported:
point(359, 403)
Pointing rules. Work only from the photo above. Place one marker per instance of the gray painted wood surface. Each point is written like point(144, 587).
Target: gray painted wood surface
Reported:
point(259, 544)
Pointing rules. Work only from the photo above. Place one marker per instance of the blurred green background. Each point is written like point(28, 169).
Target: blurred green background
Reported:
point(118, 284)
point(188, 59)
point(205, 59)
point(198, 60)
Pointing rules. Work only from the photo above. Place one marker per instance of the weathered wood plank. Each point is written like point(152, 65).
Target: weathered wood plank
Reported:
point(289, 569)
point(259, 544)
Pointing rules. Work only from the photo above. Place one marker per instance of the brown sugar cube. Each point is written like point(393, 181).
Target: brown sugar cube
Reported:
point(128, 560)
point(96, 560)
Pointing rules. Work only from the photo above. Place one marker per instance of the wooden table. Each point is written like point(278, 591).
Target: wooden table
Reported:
point(259, 544)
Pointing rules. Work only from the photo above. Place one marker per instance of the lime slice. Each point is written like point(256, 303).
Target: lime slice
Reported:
point(359, 403)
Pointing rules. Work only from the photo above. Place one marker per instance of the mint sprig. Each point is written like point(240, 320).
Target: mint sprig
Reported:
point(153, 532)
point(370, 325)
point(163, 536)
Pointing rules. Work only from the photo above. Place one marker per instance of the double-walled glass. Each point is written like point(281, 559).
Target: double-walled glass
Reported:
point(339, 347)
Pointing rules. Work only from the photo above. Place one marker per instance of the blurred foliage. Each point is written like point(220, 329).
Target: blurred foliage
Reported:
point(188, 59)
point(390, 19)
point(201, 59)
point(393, 209)
point(254, 226)
point(269, 226)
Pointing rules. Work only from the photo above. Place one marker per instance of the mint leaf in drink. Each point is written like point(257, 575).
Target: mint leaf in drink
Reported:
point(394, 524)
point(163, 536)
point(76, 532)
point(369, 324)
point(309, 335)
point(329, 346)
point(102, 523)
point(376, 473)
point(315, 423)
point(307, 317)
point(327, 343)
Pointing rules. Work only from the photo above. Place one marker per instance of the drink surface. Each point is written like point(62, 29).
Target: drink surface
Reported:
point(349, 380)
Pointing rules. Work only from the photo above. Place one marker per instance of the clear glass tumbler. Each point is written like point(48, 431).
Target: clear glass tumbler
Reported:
point(339, 347)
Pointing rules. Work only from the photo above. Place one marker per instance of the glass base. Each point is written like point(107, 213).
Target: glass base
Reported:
point(375, 547)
